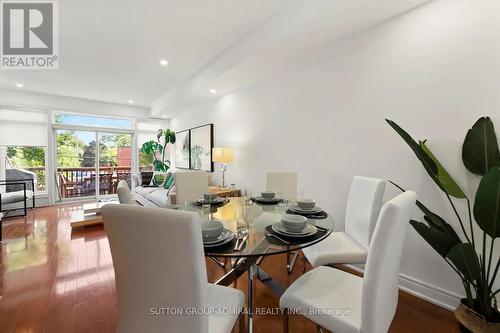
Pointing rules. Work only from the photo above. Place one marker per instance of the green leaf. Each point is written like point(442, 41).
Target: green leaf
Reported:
point(150, 146)
point(428, 163)
point(439, 240)
point(167, 135)
point(480, 149)
point(447, 182)
point(160, 166)
point(444, 228)
point(464, 257)
point(434, 219)
point(172, 136)
point(487, 203)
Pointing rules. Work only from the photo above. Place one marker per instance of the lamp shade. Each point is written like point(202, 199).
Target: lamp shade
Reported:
point(222, 154)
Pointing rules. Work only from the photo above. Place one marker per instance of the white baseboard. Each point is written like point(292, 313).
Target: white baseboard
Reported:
point(436, 295)
point(433, 294)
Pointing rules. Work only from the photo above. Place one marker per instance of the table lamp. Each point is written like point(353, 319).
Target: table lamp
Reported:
point(222, 155)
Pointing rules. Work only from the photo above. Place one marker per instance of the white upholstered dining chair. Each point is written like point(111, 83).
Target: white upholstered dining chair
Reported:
point(351, 245)
point(190, 186)
point(124, 194)
point(284, 183)
point(346, 303)
point(159, 267)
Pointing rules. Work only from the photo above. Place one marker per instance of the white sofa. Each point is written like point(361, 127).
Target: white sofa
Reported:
point(152, 196)
point(149, 196)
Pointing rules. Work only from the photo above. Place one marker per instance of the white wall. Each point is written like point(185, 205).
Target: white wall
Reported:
point(434, 70)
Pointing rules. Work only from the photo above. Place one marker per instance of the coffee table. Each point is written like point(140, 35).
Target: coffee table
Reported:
point(90, 215)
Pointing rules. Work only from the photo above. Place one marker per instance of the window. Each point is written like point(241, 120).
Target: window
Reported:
point(27, 159)
point(146, 131)
point(91, 121)
point(91, 163)
point(23, 145)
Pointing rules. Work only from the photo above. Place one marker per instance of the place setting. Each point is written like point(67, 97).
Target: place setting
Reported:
point(210, 199)
point(267, 198)
point(307, 208)
point(292, 229)
point(215, 234)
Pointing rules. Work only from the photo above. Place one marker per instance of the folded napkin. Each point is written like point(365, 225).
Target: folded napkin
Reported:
point(318, 216)
point(292, 240)
point(265, 202)
point(222, 202)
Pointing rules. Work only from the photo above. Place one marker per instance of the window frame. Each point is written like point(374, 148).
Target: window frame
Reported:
point(45, 166)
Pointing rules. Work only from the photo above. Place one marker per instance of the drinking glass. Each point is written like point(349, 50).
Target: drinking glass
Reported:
point(248, 198)
point(206, 211)
point(241, 222)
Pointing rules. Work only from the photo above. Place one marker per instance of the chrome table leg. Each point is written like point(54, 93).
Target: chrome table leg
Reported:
point(218, 262)
point(251, 272)
point(290, 261)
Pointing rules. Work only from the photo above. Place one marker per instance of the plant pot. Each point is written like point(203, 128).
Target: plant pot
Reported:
point(471, 321)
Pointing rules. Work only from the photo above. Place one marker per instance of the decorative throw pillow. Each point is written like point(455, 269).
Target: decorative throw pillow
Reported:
point(169, 182)
point(159, 178)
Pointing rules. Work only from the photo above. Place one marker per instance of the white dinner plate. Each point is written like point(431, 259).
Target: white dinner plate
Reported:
point(225, 237)
point(309, 230)
point(267, 199)
point(297, 209)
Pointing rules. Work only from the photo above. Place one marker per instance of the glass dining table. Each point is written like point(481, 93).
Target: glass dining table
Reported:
point(255, 238)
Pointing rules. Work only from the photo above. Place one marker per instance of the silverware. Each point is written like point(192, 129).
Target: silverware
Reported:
point(238, 238)
point(268, 234)
point(242, 242)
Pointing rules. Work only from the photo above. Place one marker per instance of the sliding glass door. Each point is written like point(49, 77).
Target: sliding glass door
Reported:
point(76, 163)
point(91, 163)
point(115, 161)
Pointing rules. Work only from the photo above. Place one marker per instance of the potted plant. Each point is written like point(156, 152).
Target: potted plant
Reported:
point(158, 149)
point(470, 256)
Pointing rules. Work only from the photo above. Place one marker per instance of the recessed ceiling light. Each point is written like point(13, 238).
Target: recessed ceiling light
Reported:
point(19, 85)
point(130, 101)
point(163, 62)
point(164, 116)
point(213, 91)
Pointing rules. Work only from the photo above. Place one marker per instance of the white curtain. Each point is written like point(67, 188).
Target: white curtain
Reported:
point(23, 128)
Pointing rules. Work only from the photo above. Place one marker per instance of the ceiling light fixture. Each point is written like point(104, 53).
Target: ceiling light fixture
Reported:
point(213, 91)
point(19, 85)
point(130, 101)
point(163, 62)
point(164, 116)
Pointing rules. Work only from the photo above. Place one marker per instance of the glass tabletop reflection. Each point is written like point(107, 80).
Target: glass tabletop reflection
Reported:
point(244, 217)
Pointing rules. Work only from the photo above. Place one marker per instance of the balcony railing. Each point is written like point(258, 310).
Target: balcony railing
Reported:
point(41, 185)
point(81, 181)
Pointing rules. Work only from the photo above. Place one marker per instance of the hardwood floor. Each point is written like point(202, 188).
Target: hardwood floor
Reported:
point(53, 280)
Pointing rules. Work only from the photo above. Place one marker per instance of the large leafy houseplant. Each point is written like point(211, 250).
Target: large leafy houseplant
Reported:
point(468, 255)
point(158, 148)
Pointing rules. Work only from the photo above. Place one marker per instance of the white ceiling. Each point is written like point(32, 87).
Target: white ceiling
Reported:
point(110, 50)
point(291, 38)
